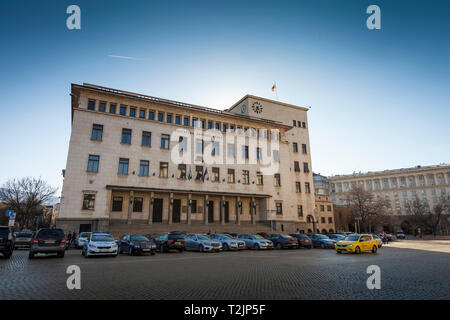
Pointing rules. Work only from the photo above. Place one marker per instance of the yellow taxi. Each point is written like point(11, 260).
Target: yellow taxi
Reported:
point(357, 243)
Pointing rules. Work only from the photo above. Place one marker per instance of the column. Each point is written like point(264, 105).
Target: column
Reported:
point(170, 208)
point(238, 216)
point(150, 208)
point(252, 210)
point(130, 207)
point(222, 210)
point(108, 203)
point(188, 211)
point(205, 210)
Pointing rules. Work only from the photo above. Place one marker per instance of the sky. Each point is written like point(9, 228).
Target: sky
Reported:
point(380, 99)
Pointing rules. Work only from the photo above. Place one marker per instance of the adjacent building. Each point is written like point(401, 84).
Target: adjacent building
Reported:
point(151, 164)
point(324, 207)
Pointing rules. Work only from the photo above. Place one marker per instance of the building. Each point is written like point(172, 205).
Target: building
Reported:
point(147, 164)
point(324, 207)
point(399, 186)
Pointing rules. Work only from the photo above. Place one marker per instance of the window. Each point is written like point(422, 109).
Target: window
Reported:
point(276, 156)
point(142, 114)
point(217, 126)
point(151, 115)
point(186, 121)
point(194, 122)
point(279, 207)
point(296, 166)
point(224, 128)
point(202, 124)
point(165, 141)
point(210, 124)
point(133, 112)
point(117, 204)
point(215, 175)
point(307, 187)
point(182, 143)
point(123, 166)
point(102, 107)
point(143, 168)
point(93, 163)
point(294, 123)
point(299, 124)
point(230, 150)
point(181, 171)
point(298, 186)
point(160, 116)
point(193, 206)
point(88, 201)
point(215, 149)
point(258, 154)
point(259, 178)
point(295, 147)
point(304, 149)
point(303, 125)
point(177, 119)
point(230, 177)
point(112, 108)
point(322, 219)
point(169, 118)
point(91, 105)
point(126, 136)
point(198, 172)
point(97, 132)
point(123, 110)
point(245, 152)
point(246, 176)
point(305, 167)
point(163, 169)
point(277, 178)
point(146, 139)
point(199, 146)
point(328, 208)
point(137, 204)
point(300, 210)
point(322, 207)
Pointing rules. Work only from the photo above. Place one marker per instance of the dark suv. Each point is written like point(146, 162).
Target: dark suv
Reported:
point(23, 239)
point(281, 241)
point(170, 241)
point(48, 241)
point(6, 242)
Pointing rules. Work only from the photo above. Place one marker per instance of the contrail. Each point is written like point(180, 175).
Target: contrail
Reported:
point(123, 57)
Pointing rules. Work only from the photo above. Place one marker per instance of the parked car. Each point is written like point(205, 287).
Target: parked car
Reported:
point(136, 245)
point(282, 241)
point(336, 236)
point(400, 235)
point(378, 240)
point(357, 243)
point(303, 240)
point(82, 239)
point(48, 241)
point(265, 235)
point(100, 244)
point(322, 241)
point(170, 241)
point(228, 242)
point(255, 241)
point(6, 242)
point(202, 243)
point(23, 239)
point(233, 234)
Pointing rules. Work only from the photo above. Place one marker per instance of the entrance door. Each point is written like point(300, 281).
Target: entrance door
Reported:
point(210, 211)
point(227, 212)
point(157, 210)
point(85, 228)
point(176, 211)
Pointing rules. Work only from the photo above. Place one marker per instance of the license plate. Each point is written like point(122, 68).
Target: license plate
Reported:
point(145, 250)
point(177, 242)
point(49, 242)
point(104, 250)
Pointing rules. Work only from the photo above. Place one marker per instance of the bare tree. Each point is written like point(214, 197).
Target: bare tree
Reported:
point(26, 196)
point(420, 213)
point(437, 214)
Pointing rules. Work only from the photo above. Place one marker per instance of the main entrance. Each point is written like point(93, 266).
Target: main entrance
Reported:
point(210, 211)
point(157, 210)
point(176, 211)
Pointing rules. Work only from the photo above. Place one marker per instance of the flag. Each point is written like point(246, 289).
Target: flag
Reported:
point(204, 175)
point(189, 175)
point(274, 87)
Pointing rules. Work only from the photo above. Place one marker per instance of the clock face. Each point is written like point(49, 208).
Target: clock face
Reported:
point(257, 107)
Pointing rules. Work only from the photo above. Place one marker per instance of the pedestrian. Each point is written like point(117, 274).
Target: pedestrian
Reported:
point(384, 238)
point(74, 237)
point(69, 239)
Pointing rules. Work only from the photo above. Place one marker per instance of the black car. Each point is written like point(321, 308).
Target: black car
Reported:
point(281, 241)
point(23, 239)
point(303, 241)
point(170, 241)
point(48, 241)
point(136, 245)
point(6, 242)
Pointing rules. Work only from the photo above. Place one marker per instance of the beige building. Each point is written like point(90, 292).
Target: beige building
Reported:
point(400, 186)
point(324, 207)
point(142, 163)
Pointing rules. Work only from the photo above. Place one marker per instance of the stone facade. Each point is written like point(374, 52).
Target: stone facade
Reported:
point(115, 172)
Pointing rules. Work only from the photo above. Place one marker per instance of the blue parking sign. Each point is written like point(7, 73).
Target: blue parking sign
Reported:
point(10, 213)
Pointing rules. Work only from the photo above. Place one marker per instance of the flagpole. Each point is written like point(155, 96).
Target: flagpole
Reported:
point(276, 91)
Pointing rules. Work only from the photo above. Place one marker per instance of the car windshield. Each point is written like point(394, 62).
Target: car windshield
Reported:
point(321, 236)
point(139, 238)
point(351, 238)
point(102, 238)
point(202, 237)
point(176, 236)
point(24, 235)
point(286, 237)
point(85, 235)
point(50, 233)
point(256, 236)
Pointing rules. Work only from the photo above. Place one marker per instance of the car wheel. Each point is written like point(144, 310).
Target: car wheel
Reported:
point(374, 249)
point(201, 248)
point(225, 247)
point(279, 245)
point(60, 254)
point(152, 253)
point(31, 255)
point(256, 246)
point(8, 255)
point(337, 251)
point(358, 250)
point(119, 250)
point(322, 246)
point(161, 248)
point(130, 251)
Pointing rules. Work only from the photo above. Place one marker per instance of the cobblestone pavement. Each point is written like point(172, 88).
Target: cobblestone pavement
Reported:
point(428, 245)
point(276, 274)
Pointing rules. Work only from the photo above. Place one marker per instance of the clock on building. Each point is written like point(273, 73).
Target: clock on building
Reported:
point(257, 107)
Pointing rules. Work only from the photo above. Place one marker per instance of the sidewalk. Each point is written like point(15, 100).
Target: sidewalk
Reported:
point(427, 245)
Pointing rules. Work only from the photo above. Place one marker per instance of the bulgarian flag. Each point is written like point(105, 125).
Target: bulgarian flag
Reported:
point(274, 87)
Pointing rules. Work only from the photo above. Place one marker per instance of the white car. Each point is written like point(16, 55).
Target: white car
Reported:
point(82, 238)
point(100, 244)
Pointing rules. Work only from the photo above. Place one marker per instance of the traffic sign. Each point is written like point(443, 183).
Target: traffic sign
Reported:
point(10, 213)
point(11, 223)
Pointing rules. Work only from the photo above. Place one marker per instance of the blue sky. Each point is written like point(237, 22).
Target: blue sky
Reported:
point(380, 98)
